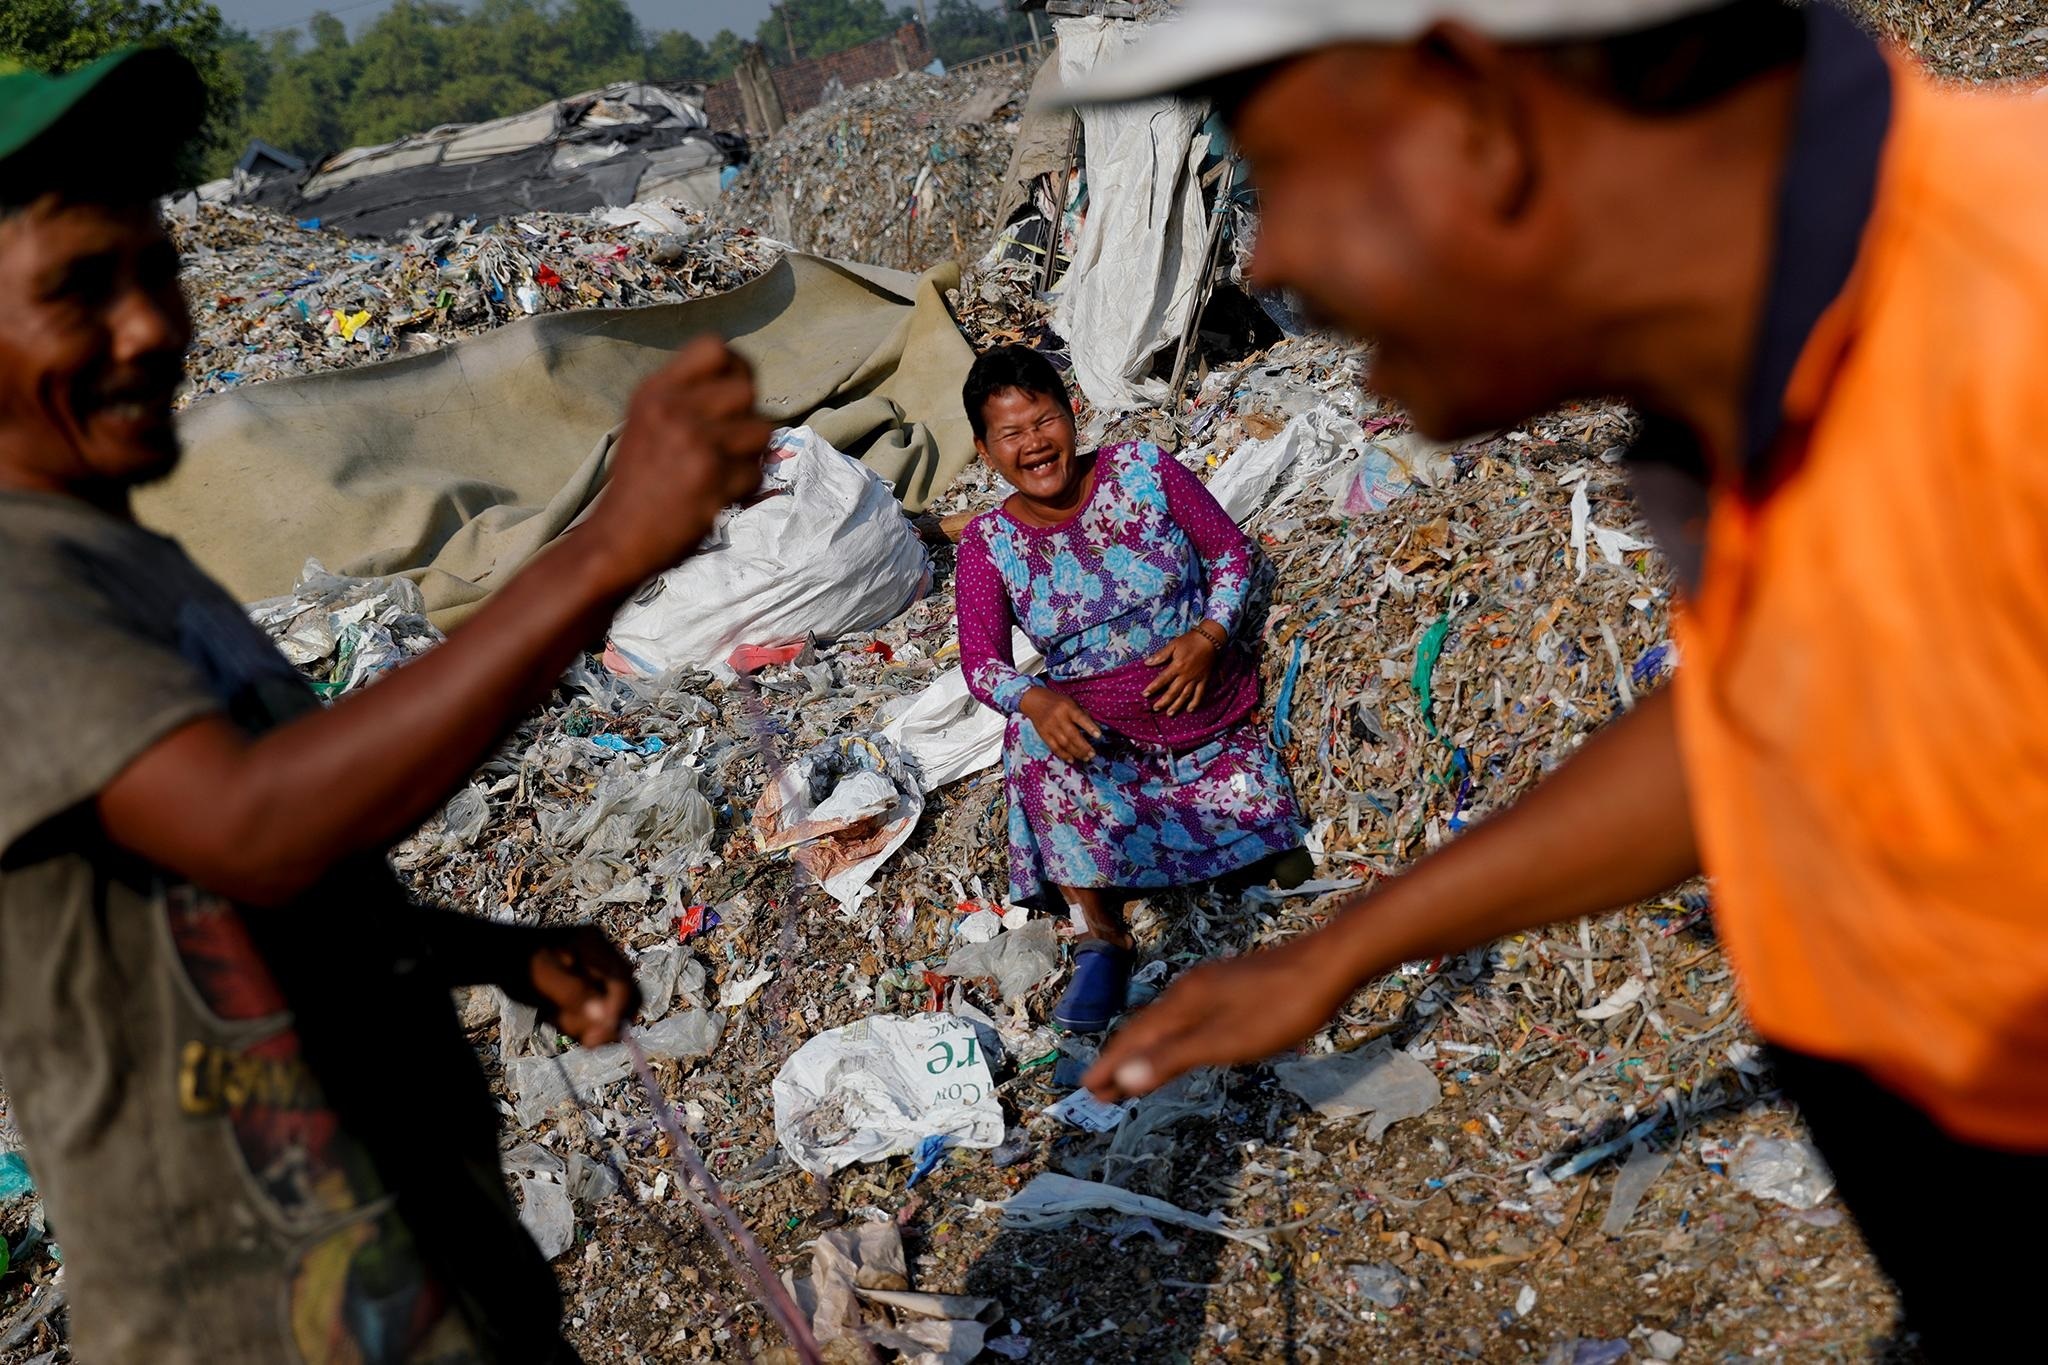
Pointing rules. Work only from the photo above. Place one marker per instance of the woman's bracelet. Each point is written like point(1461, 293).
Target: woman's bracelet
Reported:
point(1219, 639)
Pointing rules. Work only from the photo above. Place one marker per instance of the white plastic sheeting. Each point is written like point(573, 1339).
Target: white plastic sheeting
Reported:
point(1139, 258)
point(947, 732)
point(829, 555)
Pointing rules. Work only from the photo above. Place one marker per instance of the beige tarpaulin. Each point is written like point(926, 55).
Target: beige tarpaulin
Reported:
point(1045, 140)
point(457, 466)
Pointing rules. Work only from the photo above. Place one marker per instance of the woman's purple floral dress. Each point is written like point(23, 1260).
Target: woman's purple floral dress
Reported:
point(1168, 801)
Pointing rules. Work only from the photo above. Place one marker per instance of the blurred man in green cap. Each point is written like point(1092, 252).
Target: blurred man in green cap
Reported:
point(227, 1038)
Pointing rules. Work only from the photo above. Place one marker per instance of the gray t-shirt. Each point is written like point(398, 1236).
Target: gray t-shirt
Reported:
point(260, 1135)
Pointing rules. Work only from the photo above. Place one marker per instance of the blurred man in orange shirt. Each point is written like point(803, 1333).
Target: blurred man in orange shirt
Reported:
point(1823, 281)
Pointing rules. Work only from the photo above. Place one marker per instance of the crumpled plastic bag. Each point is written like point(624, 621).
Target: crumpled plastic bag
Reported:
point(639, 804)
point(1787, 1171)
point(1271, 472)
point(1053, 1200)
point(844, 807)
point(1374, 1079)
point(547, 1215)
point(536, 1083)
point(346, 631)
point(864, 1265)
point(878, 1087)
point(829, 554)
point(945, 733)
point(1017, 959)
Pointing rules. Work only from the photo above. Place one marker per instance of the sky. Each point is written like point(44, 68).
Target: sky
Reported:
point(701, 17)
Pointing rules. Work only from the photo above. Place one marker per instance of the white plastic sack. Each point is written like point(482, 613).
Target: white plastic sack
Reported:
point(877, 1088)
point(948, 732)
point(1140, 253)
point(830, 556)
point(1265, 473)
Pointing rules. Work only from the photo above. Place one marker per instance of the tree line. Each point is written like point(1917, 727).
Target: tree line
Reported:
point(422, 63)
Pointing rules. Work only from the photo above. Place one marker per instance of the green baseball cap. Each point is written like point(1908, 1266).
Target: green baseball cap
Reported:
point(123, 116)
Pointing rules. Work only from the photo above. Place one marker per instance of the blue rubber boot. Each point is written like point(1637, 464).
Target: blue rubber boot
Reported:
point(1102, 976)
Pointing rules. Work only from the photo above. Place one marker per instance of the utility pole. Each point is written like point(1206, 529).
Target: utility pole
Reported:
point(922, 17)
point(788, 33)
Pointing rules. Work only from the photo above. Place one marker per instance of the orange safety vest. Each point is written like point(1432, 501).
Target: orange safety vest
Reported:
point(1863, 701)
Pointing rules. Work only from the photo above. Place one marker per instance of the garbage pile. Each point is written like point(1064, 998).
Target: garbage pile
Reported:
point(271, 297)
point(627, 142)
point(900, 173)
point(1966, 40)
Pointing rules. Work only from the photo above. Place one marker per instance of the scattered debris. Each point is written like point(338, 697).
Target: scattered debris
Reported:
point(342, 632)
point(1432, 649)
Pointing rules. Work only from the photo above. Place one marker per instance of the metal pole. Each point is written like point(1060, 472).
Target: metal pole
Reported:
point(1059, 206)
point(1210, 252)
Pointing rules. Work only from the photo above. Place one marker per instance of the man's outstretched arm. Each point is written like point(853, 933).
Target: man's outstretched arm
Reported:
point(261, 820)
point(1608, 827)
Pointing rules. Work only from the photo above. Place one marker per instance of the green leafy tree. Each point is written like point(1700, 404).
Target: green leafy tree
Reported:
point(601, 37)
point(725, 50)
point(680, 57)
point(301, 109)
point(962, 30)
point(400, 68)
point(823, 26)
point(62, 35)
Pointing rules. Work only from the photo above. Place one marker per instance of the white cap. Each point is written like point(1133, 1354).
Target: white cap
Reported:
point(1213, 38)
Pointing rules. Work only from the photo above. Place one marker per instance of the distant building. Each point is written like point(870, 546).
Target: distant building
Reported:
point(803, 85)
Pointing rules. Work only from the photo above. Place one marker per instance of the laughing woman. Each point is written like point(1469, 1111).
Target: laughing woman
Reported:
point(1136, 762)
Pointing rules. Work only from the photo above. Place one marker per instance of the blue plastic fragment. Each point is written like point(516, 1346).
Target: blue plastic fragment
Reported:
point(1650, 664)
point(310, 224)
point(1593, 1156)
point(930, 1152)
point(1283, 725)
point(15, 1180)
point(618, 744)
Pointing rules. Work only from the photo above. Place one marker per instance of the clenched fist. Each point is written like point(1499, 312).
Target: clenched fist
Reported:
point(691, 445)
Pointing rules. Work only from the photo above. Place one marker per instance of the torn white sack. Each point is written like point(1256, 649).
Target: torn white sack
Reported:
point(876, 1088)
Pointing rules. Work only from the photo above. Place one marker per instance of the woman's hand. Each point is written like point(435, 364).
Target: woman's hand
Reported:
point(1185, 667)
point(1066, 729)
